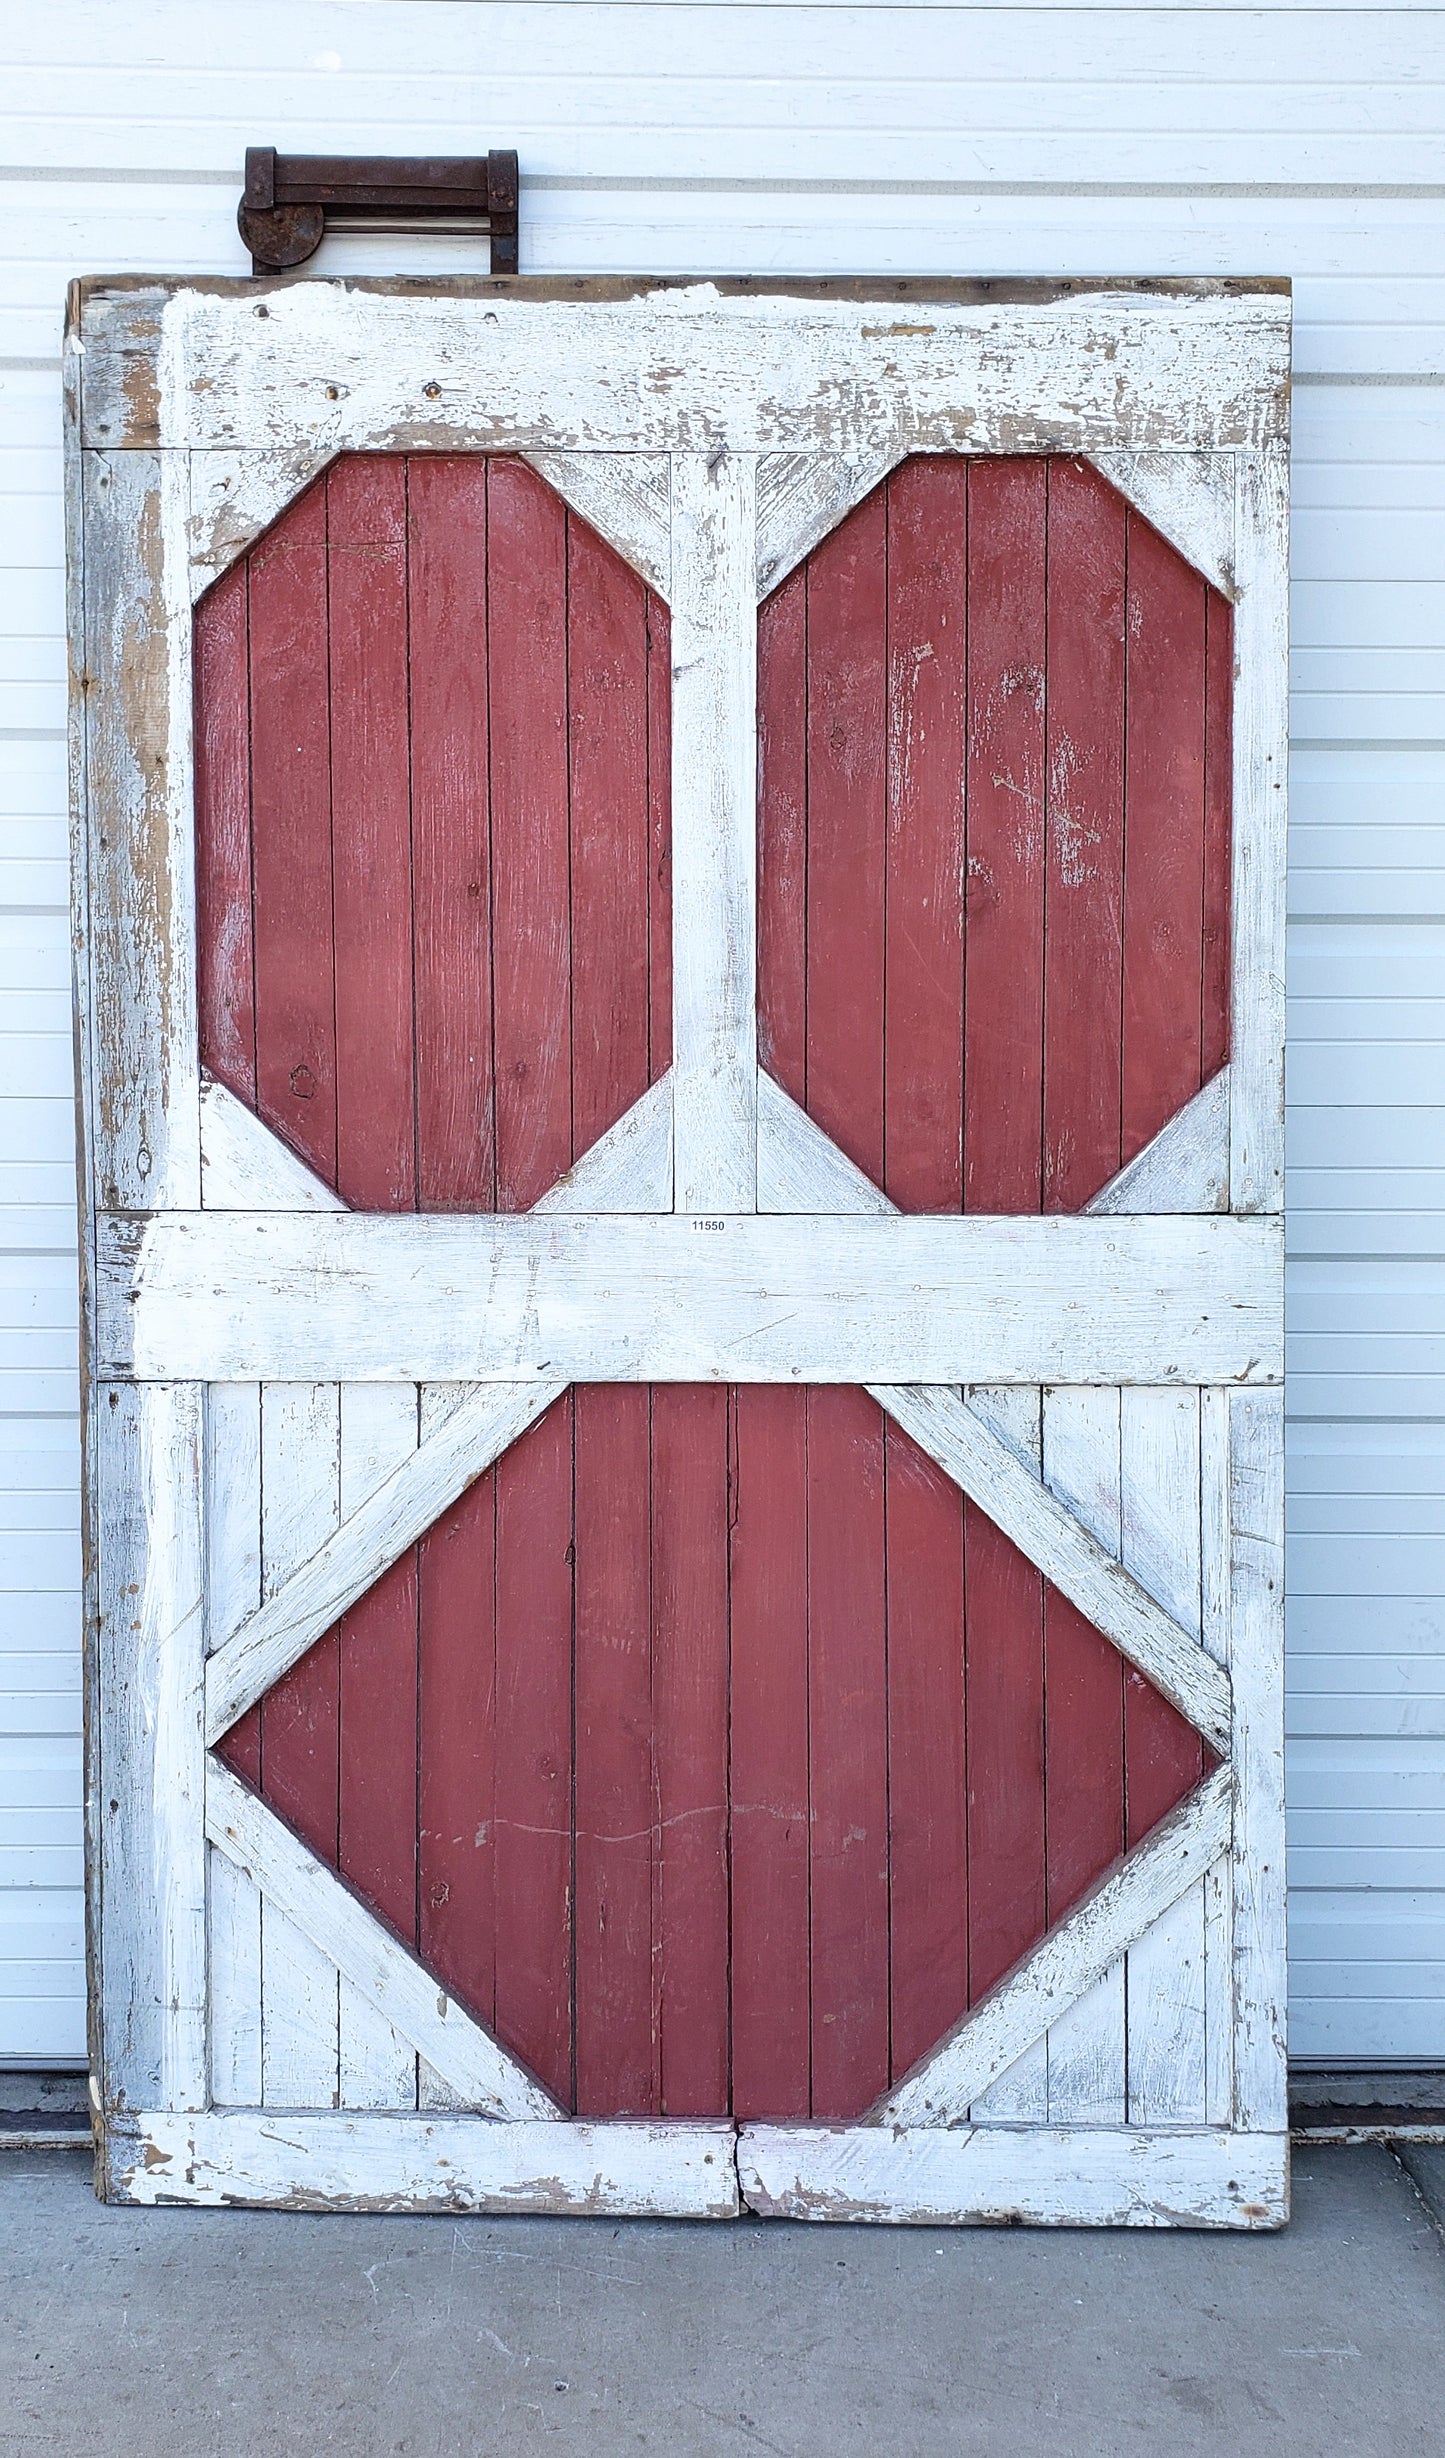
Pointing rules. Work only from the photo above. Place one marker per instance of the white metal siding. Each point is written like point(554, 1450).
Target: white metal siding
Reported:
point(682, 136)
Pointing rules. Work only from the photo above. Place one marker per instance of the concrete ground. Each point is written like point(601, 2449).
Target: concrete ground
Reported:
point(178, 2334)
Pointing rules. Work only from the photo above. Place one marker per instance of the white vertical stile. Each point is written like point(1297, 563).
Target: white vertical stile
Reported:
point(1256, 1521)
point(1086, 2045)
point(1214, 1585)
point(1159, 1534)
point(142, 847)
point(1261, 743)
point(714, 831)
point(150, 1767)
point(233, 1570)
point(378, 1430)
point(300, 1501)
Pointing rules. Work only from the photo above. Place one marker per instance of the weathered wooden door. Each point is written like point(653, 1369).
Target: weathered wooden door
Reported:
point(679, 905)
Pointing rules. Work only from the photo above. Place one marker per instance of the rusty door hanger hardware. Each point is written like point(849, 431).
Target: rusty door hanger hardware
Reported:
point(290, 198)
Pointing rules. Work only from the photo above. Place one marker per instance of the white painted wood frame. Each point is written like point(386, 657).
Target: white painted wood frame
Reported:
point(713, 432)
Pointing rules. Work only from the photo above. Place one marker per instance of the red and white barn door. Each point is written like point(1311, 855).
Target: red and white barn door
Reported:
point(681, 1027)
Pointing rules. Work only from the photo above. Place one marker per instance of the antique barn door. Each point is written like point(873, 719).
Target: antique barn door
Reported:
point(679, 906)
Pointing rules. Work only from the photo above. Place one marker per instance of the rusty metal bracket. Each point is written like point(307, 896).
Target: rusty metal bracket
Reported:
point(290, 199)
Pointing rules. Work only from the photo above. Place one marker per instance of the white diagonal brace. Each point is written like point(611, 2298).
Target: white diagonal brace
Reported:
point(1185, 1168)
point(800, 1169)
point(468, 2058)
point(624, 497)
point(1188, 497)
point(714, 831)
point(628, 1168)
point(246, 1167)
point(802, 495)
point(1007, 1489)
point(1067, 1964)
point(479, 1429)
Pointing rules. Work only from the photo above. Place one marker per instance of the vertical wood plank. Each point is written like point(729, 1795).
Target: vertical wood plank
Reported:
point(847, 831)
point(1256, 1521)
point(768, 1783)
point(233, 1589)
point(1004, 979)
point(378, 1755)
point(225, 956)
point(368, 685)
point(848, 1752)
point(300, 1505)
point(151, 1642)
point(659, 807)
point(531, 928)
point(690, 1504)
point(1003, 1603)
point(783, 835)
point(456, 1713)
point(451, 836)
point(1084, 871)
point(714, 831)
point(1261, 726)
point(927, 513)
point(1086, 2046)
point(1160, 1534)
point(1218, 793)
point(141, 833)
point(1164, 848)
point(533, 1767)
point(607, 711)
point(291, 843)
point(1215, 1583)
point(615, 1803)
point(927, 1788)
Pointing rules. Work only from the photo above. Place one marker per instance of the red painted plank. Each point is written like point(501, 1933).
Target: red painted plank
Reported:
point(1164, 836)
point(1003, 979)
point(377, 1789)
point(768, 1784)
point(1084, 870)
point(371, 832)
point(224, 937)
point(300, 1753)
point(533, 1778)
point(1163, 1757)
point(241, 1748)
point(451, 835)
point(847, 831)
point(531, 947)
point(1218, 805)
point(848, 1750)
point(927, 1791)
point(783, 834)
point(1003, 1602)
point(659, 802)
point(927, 762)
point(617, 2068)
point(690, 1741)
point(456, 1714)
point(608, 787)
point(291, 825)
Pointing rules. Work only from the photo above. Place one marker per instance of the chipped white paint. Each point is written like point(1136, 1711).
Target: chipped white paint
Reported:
point(587, 1298)
point(1070, 2177)
point(801, 496)
point(247, 1168)
point(1188, 497)
point(378, 2162)
point(625, 496)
